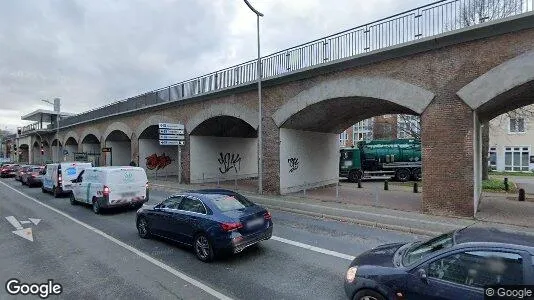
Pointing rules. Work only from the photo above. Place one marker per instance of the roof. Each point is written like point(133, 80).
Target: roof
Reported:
point(493, 235)
point(45, 114)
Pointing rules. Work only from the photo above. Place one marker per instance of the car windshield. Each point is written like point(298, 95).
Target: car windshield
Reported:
point(421, 250)
point(229, 202)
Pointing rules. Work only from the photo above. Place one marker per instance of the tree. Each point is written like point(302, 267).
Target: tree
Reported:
point(409, 126)
point(478, 11)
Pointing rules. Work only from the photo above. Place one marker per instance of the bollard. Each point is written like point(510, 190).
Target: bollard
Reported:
point(203, 178)
point(359, 183)
point(218, 181)
point(506, 186)
point(337, 190)
point(305, 189)
point(415, 187)
point(235, 184)
point(386, 185)
point(521, 195)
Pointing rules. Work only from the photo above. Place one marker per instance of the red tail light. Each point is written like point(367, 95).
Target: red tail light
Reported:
point(231, 226)
point(267, 215)
point(106, 191)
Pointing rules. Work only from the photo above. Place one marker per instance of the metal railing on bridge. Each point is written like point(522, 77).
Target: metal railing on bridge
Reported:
point(425, 21)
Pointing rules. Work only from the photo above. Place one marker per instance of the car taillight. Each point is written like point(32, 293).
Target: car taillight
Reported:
point(267, 215)
point(106, 191)
point(231, 226)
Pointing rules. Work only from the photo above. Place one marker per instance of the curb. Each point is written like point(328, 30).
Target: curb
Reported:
point(371, 224)
point(366, 223)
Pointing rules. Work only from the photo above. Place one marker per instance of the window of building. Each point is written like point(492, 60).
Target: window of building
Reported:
point(516, 158)
point(492, 158)
point(362, 131)
point(517, 125)
point(408, 126)
point(343, 137)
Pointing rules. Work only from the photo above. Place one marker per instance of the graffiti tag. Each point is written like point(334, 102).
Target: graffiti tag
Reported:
point(228, 162)
point(157, 162)
point(293, 164)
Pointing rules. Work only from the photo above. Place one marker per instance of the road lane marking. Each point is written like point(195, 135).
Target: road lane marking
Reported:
point(313, 248)
point(14, 222)
point(147, 257)
point(25, 222)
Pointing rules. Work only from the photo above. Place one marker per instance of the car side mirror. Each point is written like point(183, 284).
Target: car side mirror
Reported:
point(422, 275)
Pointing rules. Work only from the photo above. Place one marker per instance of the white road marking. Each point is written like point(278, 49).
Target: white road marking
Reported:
point(14, 222)
point(25, 222)
point(313, 248)
point(147, 257)
point(25, 233)
point(35, 221)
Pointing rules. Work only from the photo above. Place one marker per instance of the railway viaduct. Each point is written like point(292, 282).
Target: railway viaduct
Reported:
point(455, 79)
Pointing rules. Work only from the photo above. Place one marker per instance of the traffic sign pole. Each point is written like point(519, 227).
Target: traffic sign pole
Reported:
point(171, 134)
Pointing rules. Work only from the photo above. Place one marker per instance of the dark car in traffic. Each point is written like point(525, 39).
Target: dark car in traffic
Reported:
point(212, 221)
point(455, 265)
point(8, 170)
point(20, 171)
point(33, 176)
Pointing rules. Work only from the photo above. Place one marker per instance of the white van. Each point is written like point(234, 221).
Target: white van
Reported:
point(57, 177)
point(105, 187)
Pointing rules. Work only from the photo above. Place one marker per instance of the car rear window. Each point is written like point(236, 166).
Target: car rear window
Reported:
point(229, 202)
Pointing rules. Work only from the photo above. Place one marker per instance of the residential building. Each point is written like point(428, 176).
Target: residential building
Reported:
point(384, 127)
point(511, 140)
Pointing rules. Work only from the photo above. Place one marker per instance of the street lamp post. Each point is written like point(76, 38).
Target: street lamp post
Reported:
point(260, 135)
point(57, 109)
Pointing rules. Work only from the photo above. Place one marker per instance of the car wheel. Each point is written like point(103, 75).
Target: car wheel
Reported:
point(56, 192)
point(403, 175)
point(96, 207)
point(368, 295)
point(72, 199)
point(203, 249)
point(142, 228)
point(417, 174)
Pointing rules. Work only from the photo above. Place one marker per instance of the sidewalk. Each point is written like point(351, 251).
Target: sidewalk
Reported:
point(381, 217)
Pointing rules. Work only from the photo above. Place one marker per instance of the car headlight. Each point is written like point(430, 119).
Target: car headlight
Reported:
point(351, 274)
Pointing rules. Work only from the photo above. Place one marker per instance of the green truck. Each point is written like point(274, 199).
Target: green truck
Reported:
point(399, 158)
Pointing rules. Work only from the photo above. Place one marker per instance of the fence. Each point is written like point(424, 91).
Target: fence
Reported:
point(425, 21)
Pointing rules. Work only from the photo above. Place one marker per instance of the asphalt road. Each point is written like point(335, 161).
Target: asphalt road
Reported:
point(91, 266)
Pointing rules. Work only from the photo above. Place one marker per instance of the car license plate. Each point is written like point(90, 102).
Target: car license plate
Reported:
point(255, 222)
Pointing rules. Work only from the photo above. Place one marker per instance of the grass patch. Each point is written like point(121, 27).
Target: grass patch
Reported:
point(530, 173)
point(496, 185)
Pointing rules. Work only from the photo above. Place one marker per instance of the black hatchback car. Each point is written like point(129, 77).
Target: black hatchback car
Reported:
point(456, 265)
point(213, 221)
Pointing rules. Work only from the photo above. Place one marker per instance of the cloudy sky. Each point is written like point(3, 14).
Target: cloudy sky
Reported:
point(90, 53)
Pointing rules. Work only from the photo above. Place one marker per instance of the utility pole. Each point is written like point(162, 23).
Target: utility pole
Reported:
point(260, 135)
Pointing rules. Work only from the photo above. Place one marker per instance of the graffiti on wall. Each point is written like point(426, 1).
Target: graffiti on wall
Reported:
point(155, 162)
point(293, 164)
point(228, 162)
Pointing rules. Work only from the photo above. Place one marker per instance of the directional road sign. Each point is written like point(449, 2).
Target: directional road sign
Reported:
point(171, 143)
point(171, 126)
point(171, 131)
point(171, 137)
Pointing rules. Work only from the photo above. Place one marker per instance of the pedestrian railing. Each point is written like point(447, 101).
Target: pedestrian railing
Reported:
point(425, 21)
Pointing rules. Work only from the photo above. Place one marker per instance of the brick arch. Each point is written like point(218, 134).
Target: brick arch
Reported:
point(407, 95)
point(152, 120)
point(73, 135)
point(120, 126)
point(233, 110)
point(499, 88)
point(90, 130)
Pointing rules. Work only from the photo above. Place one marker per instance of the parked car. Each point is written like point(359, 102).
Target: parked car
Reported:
point(213, 221)
point(33, 177)
point(107, 187)
point(455, 265)
point(57, 178)
point(20, 171)
point(8, 170)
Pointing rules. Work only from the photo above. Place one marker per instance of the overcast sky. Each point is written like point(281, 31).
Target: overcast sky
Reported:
point(90, 53)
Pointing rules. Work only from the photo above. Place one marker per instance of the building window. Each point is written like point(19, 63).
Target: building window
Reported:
point(362, 131)
point(343, 137)
point(492, 158)
point(517, 125)
point(516, 158)
point(408, 127)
